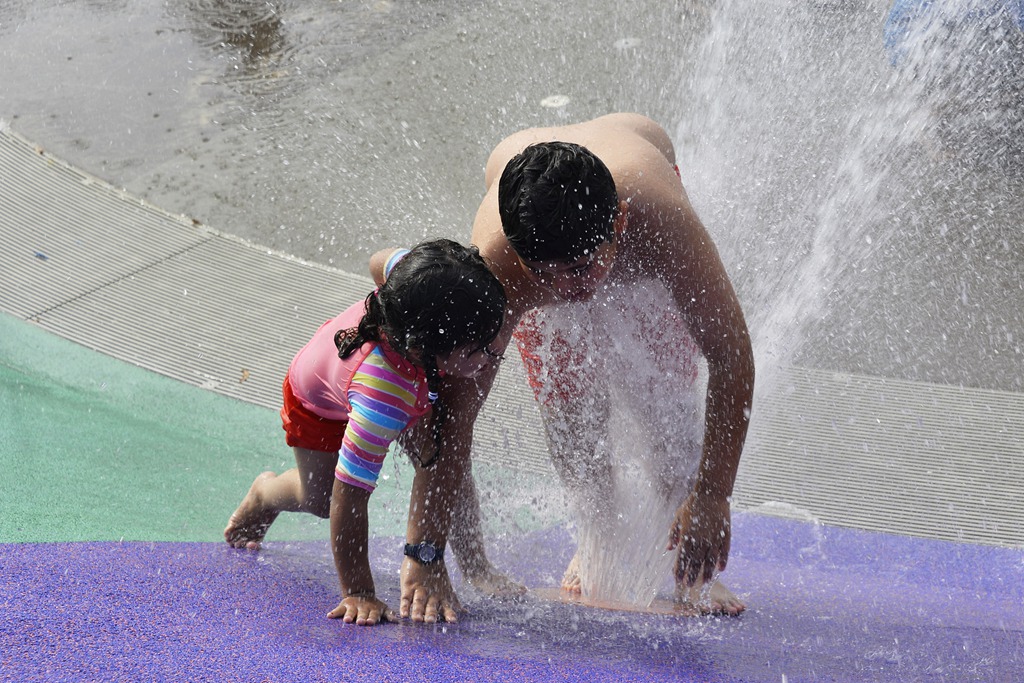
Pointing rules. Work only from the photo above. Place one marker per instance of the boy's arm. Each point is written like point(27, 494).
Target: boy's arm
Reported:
point(701, 288)
point(349, 538)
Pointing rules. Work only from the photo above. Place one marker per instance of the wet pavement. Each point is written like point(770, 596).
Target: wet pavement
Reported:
point(852, 215)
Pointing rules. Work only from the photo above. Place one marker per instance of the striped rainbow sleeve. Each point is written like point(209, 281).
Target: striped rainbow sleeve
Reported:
point(383, 404)
point(396, 256)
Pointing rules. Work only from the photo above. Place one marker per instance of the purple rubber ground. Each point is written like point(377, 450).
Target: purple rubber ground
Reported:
point(825, 604)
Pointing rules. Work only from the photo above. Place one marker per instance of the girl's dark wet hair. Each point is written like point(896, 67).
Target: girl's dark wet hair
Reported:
point(438, 297)
point(557, 202)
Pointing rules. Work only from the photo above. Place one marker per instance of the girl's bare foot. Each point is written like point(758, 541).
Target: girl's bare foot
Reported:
point(249, 523)
point(699, 600)
point(571, 578)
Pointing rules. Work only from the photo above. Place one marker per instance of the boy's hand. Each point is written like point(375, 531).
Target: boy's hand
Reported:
point(362, 610)
point(702, 531)
point(427, 593)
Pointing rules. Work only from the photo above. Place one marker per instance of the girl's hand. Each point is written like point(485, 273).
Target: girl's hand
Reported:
point(363, 610)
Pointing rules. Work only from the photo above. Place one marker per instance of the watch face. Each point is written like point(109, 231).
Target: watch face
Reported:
point(425, 552)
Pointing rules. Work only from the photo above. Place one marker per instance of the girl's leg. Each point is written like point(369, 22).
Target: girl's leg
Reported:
point(304, 488)
point(316, 480)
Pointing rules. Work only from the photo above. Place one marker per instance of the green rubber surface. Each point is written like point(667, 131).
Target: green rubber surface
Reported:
point(96, 449)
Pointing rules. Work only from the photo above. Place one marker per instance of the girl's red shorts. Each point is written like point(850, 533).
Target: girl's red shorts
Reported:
point(305, 429)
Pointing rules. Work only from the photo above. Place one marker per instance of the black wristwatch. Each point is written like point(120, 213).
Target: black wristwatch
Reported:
point(425, 552)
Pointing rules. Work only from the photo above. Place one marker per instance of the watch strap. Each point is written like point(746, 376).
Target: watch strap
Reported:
point(417, 551)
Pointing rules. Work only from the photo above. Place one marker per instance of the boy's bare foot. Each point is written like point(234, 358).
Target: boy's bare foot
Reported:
point(689, 601)
point(249, 523)
point(571, 578)
point(700, 600)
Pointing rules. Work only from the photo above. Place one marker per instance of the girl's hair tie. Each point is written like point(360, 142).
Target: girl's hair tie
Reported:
point(432, 395)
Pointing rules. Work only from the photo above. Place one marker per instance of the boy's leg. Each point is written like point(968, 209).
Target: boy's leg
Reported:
point(566, 379)
point(577, 439)
point(304, 488)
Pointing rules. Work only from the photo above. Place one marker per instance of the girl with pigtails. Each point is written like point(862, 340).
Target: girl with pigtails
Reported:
point(363, 379)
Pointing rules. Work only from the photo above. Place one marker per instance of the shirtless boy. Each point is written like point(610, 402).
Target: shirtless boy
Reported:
point(584, 239)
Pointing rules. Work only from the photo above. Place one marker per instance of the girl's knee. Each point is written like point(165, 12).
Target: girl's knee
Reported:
point(316, 501)
point(320, 507)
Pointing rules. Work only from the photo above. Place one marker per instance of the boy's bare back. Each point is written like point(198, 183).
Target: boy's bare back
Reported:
point(663, 237)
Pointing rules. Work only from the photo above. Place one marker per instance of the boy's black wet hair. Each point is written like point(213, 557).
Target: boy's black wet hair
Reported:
point(557, 202)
